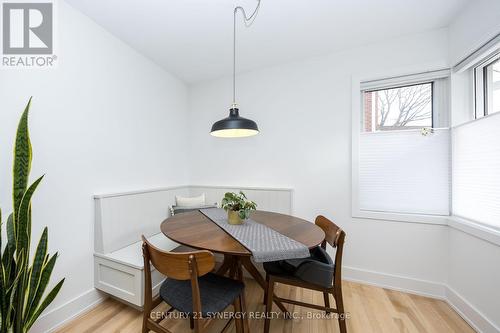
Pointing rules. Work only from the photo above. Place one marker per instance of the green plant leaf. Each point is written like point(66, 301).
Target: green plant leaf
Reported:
point(50, 297)
point(3, 308)
point(11, 236)
point(10, 298)
point(20, 265)
point(8, 261)
point(22, 160)
point(22, 286)
point(238, 203)
point(42, 285)
point(38, 263)
point(20, 290)
point(24, 228)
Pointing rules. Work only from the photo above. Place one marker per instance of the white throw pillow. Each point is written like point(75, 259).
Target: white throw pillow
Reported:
point(190, 202)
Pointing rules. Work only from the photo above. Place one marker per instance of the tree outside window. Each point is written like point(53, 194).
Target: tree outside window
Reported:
point(399, 108)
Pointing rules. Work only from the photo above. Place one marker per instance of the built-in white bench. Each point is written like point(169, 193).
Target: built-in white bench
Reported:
point(121, 219)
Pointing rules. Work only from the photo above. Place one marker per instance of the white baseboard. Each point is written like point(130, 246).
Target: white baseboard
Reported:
point(467, 311)
point(395, 282)
point(66, 312)
point(470, 313)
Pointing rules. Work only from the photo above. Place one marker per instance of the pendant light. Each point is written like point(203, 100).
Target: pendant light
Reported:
point(235, 126)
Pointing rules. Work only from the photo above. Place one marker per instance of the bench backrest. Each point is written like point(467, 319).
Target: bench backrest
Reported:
point(121, 218)
point(277, 200)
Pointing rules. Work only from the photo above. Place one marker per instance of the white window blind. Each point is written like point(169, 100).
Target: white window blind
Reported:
point(476, 170)
point(405, 172)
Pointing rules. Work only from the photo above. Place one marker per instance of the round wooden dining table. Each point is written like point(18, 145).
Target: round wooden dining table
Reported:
point(195, 230)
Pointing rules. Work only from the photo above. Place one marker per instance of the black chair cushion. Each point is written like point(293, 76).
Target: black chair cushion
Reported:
point(216, 293)
point(318, 269)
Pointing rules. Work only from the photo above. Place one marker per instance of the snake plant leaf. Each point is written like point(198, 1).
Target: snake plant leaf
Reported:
point(11, 236)
point(19, 272)
point(42, 285)
point(22, 160)
point(13, 291)
point(22, 286)
point(8, 261)
point(3, 303)
point(9, 296)
point(3, 308)
point(20, 282)
point(12, 284)
point(38, 263)
point(1, 247)
point(23, 232)
point(50, 297)
point(23, 244)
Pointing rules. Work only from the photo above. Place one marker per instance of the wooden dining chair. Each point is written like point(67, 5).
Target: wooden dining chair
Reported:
point(318, 272)
point(189, 288)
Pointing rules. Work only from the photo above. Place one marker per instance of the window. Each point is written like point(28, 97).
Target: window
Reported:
point(405, 102)
point(492, 87)
point(399, 108)
point(487, 87)
point(401, 172)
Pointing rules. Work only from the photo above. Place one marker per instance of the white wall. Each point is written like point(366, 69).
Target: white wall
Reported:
point(477, 23)
point(303, 110)
point(105, 120)
point(474, 274)
point(473, 270)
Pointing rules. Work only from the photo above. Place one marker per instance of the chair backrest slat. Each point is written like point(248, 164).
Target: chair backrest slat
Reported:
point(334, 236)
point(332, 231)
point(179, 265)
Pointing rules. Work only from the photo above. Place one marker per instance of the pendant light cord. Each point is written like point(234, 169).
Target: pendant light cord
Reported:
point(248, 22)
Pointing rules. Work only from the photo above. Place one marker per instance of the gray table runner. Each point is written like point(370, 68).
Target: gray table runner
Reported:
point(265, 243)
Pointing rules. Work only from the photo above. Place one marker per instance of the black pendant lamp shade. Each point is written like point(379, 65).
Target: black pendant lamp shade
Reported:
point(234, 126)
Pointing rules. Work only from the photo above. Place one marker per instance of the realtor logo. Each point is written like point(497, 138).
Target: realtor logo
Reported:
point(28, 34)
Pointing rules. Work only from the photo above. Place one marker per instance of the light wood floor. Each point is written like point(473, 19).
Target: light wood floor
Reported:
point(371, 309)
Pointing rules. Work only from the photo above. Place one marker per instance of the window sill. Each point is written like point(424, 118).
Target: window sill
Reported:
point(476, 229)
point(399, 217)
point(470, 227)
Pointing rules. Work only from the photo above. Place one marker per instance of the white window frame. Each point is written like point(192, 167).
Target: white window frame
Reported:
point(480, 56)
point(480, 108)
point(441, 101)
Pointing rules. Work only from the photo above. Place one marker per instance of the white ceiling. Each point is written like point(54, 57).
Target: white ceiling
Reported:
point(192, 39)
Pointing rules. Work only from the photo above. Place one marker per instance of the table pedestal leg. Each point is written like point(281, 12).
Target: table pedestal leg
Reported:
point(226, 265)
point(249, 266)
point(233, 265)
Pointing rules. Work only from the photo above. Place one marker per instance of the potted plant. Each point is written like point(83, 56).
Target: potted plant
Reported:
point(23, 277)
point(237, 207)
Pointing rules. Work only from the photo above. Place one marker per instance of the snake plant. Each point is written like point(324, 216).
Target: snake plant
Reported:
point(23, 278)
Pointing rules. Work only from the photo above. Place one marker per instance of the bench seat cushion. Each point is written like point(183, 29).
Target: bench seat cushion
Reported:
point(132, 254)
